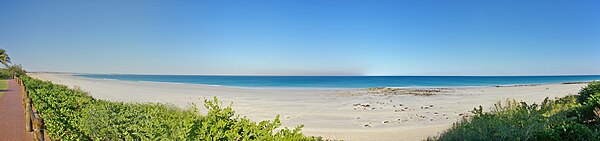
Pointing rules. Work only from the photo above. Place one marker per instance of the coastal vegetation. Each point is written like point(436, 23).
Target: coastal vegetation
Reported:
point(72, 114)
point(10, 70)
point(575, 117)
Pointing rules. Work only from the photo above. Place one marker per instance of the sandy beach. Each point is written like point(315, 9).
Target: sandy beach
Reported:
point(349, 114)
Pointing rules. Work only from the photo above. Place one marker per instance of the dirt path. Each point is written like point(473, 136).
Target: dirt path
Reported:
point(12, 115)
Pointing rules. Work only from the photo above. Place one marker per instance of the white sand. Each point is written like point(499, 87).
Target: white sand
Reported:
point(327, 113)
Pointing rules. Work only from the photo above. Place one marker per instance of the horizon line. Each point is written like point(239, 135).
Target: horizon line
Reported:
point(340, 75)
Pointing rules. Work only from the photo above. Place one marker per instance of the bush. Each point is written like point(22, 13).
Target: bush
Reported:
point(6, 73)
point(589, 98)
point(105, 120)
point(73, 115)
point(567, 118)
point(17, 69)
point(590, 90)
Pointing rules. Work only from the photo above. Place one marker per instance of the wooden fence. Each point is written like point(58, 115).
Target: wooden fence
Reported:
point(33, 121)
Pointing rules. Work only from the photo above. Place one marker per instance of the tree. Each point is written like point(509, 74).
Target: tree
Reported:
point(4, 59)
point(16, 69)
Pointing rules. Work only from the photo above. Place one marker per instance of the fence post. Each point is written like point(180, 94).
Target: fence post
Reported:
point(28, 115)
point(38, 132)
point(26, 105)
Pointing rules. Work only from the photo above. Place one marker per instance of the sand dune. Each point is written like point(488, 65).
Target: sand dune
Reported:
point(349, 114)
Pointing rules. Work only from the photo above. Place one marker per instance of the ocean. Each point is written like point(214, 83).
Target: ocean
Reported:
point(348, 81)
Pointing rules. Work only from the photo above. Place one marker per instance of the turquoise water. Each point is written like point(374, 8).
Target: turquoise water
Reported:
point(349, 81)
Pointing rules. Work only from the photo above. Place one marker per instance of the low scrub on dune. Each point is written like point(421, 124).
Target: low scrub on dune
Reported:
point(73, 115)
point(574, 118)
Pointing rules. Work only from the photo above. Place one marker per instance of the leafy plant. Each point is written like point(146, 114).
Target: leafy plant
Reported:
point(567, 118)
point(590, 90)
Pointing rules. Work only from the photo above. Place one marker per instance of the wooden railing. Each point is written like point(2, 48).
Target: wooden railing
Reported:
point(33, 121)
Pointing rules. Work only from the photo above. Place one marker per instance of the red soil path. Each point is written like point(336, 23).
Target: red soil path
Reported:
point(12, 115)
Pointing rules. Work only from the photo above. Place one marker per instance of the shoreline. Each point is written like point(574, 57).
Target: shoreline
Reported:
point(349, 114)
point(328, 88)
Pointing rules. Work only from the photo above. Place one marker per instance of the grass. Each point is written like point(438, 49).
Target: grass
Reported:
point(3, 86)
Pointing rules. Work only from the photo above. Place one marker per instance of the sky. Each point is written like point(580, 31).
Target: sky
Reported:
point(304, 37)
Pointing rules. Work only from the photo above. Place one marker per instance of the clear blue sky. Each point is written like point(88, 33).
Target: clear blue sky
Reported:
point(304, 37)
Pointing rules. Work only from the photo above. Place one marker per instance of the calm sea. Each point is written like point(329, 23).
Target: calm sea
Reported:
point(349, 81)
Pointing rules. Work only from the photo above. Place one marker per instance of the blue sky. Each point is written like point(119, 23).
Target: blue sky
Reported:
point(305, 37)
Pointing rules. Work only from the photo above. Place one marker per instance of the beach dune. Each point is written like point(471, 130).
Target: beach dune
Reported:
point(349, 114)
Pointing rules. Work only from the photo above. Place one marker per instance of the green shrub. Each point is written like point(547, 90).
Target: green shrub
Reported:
point(17, 69)
point(590, 90)
point(562, 119)
point(73, 115)
point(589, 98)
point(6, 73)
